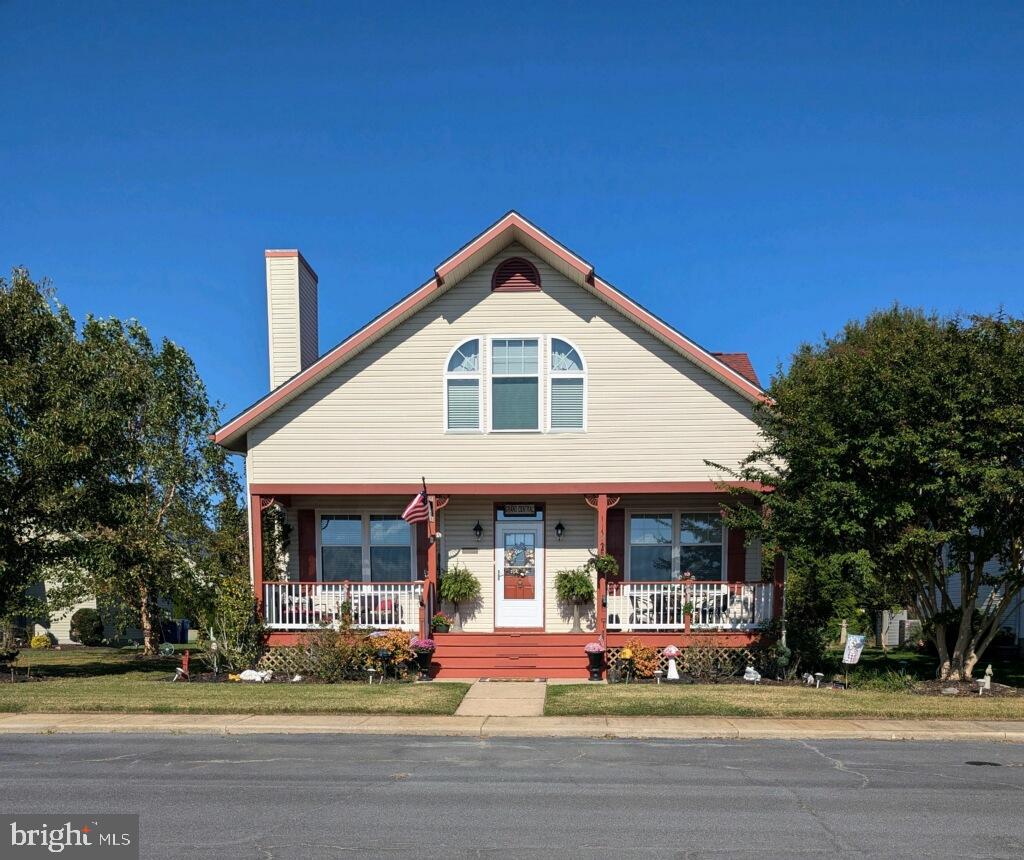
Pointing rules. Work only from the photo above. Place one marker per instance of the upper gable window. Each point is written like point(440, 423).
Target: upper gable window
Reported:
point(462, 387)
point(515, 384)
point(515, 275)
point(568, 387)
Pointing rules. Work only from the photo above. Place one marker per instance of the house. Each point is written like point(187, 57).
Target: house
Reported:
point(553, 418)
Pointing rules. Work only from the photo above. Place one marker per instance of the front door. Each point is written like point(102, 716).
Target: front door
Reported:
point(519, 565)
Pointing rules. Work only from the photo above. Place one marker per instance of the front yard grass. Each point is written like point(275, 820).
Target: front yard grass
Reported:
point(115, 680)
point(730, 700)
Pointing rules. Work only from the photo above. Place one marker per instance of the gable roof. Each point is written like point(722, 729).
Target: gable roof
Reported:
point(510, 228)
point(740, 362)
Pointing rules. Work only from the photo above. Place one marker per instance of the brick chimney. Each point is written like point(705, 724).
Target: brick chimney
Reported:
point(291, 314)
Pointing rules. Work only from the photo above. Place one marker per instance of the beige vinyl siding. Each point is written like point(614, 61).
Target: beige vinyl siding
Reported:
point(652, 415)
point(460, 546)
point(283, 317)
point(59, 625)
point(308, 319)
point(575, 549)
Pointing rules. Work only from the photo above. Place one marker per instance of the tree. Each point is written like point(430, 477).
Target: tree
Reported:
point(149, 525)
point(56, 436)
point(895, 457)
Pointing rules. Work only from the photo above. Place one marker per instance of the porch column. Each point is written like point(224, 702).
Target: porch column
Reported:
point(256, 544)
point(602, 549)
point(429, 603)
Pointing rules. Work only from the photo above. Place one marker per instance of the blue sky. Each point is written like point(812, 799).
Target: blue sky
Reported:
point(756, 174)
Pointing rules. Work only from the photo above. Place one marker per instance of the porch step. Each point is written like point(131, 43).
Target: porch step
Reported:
point(511, 655)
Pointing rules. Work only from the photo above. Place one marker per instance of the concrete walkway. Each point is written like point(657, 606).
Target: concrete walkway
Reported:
point(523, 726)
point(504, 699)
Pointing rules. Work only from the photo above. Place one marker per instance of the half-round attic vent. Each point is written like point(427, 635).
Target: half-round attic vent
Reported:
point(515, 275)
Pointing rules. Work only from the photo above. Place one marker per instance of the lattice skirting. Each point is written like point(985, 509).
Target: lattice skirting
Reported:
point(702, 661)
point(294, 660)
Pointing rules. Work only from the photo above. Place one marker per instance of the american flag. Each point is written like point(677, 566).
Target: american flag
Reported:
point(417, 510)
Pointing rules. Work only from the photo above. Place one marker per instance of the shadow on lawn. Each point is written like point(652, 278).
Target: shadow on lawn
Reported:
point(94, 665)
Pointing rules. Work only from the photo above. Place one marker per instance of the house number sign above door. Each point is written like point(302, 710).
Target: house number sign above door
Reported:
point(519, 510)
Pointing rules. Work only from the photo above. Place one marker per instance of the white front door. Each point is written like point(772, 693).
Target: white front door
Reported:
point(519, 564)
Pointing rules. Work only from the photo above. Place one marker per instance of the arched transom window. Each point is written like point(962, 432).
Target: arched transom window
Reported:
point(462, 387)
point(568, 387)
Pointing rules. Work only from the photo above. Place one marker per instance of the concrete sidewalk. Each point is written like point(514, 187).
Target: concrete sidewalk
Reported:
point(484, 726)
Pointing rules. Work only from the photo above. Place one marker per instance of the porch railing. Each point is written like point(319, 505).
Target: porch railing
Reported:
point(661, 605)
point(308, 605)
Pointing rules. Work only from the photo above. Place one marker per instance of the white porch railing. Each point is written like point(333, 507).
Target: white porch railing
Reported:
point(308, 605)
point(716, 605)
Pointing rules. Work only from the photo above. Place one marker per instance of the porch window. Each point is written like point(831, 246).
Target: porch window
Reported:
point(515, 385)
point(341, 547)
point(462, 387)
point(650, 547)
point(390, 549)
point(700, 545)
point(567, 386)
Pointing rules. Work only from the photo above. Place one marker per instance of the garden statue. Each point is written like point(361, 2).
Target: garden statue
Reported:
point(671, 652)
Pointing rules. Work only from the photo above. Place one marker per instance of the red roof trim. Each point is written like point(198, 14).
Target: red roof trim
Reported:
point(492, 489)
point(513, 220)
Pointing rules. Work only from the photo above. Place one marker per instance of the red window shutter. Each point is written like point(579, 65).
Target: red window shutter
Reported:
point(307, 546)
point(421, 550)
point(737, 556)
point(617, 540)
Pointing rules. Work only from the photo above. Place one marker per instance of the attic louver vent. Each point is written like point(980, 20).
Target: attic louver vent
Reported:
point(515, 275)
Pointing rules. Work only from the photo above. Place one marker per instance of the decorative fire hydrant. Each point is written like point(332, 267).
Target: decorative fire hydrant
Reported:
point(671, 652)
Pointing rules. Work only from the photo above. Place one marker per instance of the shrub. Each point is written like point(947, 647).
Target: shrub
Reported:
point(232, 629)
point(87, 627)
point(645, 658)
point(395, 641)
point(40, 640)
point(458, 586)
point(887, 681)
point(336, 655)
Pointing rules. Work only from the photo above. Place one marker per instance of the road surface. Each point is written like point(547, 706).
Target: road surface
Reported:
point(317, 796)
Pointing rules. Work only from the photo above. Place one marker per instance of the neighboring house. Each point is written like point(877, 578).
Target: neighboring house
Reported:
point(553, 418)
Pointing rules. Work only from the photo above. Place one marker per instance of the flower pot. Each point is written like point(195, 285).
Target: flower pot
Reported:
point(442, 628)
point(423, 659)
point(596, 665)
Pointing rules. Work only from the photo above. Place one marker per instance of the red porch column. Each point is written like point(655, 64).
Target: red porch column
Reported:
point(256, 542)
point(602, 549)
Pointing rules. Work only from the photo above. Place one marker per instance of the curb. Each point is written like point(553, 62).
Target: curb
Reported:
point(663, 728)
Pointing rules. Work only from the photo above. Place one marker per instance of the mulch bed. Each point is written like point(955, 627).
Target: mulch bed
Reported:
point(965, 688)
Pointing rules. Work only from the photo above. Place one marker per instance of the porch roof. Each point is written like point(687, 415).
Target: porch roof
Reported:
point(506, 489)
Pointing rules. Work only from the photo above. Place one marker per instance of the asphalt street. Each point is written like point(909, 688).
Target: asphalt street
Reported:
point(319, 796)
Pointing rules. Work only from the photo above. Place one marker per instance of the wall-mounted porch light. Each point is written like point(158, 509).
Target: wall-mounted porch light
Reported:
point(478, 530)
point(559, 530)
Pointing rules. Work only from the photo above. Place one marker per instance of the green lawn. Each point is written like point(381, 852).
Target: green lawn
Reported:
point(727, 700)
point(107, 679)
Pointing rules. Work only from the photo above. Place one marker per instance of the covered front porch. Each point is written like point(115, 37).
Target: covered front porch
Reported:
point(350, 557)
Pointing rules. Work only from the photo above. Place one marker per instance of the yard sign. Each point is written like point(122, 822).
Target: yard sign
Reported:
point(854, 645)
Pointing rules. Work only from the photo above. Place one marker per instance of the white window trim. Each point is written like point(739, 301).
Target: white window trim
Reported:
point(542, 377)
point(566, 374)
point(676, 544)
point(479, 376)
point(365, 536)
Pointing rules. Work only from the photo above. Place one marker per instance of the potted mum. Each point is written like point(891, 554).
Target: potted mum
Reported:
point(595, 659)
point(424, 649)
point(458, 586)
point(441, 623)
point(574, 587)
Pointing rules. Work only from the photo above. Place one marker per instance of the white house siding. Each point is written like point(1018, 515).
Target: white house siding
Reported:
point(1013, 614)
point(283, 317)
point(308, 317)
point(652, 415)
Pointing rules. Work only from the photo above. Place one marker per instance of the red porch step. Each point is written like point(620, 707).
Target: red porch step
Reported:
point(511, 655)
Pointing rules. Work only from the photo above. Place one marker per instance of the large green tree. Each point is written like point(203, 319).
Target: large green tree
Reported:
point(153, 517)
point(895, 451)
point(58, 432)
